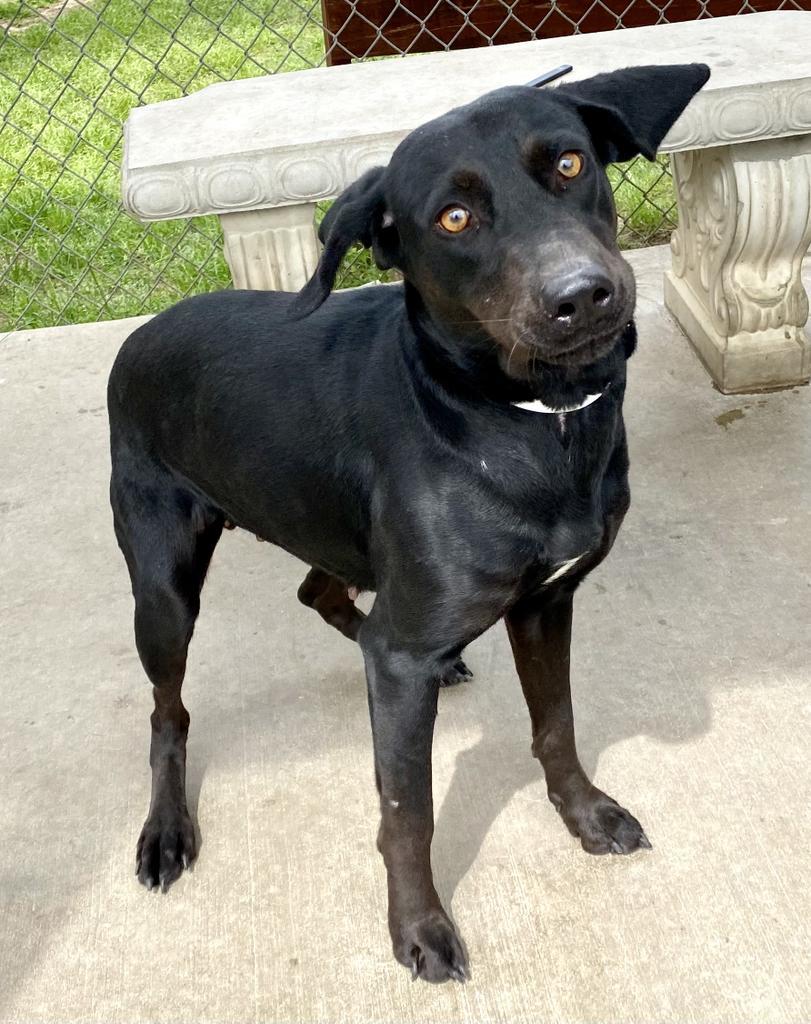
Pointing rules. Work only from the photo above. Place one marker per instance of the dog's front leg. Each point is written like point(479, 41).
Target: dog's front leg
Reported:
point(540, 633)
point(403, 690)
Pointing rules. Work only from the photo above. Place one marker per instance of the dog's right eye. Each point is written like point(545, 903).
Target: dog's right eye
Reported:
point(570, 164)
point(454, 219)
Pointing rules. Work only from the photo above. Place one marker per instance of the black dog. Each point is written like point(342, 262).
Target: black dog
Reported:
point(454, 443)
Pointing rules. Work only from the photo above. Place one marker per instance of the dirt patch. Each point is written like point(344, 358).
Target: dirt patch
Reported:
point(49, 14)
point(726, 418)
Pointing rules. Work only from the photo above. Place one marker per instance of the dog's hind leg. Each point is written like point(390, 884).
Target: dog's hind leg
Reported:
point(167, 536)
point(329, 596)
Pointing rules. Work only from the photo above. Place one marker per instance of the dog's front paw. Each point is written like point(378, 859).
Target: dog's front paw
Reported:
point(166, 846)
point(457, 673)
point(601, 824)
point(431, 949)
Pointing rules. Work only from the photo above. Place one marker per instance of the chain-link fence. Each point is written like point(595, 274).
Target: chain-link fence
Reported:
point(70, 71)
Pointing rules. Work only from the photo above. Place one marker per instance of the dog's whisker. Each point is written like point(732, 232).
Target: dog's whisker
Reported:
point(492, 320)
point(509, 357)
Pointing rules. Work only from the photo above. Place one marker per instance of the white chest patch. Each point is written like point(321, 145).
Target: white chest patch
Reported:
point(563, 569)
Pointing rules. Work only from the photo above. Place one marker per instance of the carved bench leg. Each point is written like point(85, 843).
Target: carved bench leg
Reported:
point(274, 250)
point(735, 287)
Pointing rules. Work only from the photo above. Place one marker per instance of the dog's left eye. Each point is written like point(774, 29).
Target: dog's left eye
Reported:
point(454, 219)
point(570, 164)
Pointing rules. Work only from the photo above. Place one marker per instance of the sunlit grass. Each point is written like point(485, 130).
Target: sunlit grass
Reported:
point(69, 253)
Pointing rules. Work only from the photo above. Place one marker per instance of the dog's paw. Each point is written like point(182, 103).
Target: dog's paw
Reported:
point(166, 846)
point(457, 673)
point(601, 824)
point(431, 949)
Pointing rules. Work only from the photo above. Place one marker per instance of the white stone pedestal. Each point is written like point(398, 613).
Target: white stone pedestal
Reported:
point(735, 288)
point(275, 249)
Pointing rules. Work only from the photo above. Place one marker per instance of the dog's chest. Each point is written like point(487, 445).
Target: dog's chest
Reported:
point(564, 496)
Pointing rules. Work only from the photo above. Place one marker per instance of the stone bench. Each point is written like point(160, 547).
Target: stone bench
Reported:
point(260, 153)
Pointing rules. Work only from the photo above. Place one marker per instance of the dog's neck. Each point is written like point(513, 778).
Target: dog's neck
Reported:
point(467, 362)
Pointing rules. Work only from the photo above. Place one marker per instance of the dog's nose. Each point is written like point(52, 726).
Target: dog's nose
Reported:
point(579, 299)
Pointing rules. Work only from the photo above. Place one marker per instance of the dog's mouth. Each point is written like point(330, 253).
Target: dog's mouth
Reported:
point(583, 349)
point(526, 349)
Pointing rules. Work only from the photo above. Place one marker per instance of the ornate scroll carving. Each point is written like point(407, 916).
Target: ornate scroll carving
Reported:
point(768, 110)
point(253, 181)
point(735, 287)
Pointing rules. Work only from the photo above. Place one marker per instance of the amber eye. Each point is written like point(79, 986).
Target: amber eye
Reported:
point(570, 164)
point(454, 219)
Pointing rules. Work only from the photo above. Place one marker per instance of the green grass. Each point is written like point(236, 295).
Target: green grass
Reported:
point(21, 11)
point(68, 253)
point(646, 201)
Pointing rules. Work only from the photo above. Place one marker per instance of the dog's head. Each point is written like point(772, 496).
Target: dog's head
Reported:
point(501, 216)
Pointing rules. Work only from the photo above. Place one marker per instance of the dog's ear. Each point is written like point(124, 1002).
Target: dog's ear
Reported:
point(357, 215)
point(630, 111)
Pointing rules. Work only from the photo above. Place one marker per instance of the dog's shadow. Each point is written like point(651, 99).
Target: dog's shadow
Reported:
point(495, 769)
point(463, 823)
point(488, 775)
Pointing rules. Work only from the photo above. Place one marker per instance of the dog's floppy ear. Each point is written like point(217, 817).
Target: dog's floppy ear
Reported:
point(355, 216)
point(630, 111)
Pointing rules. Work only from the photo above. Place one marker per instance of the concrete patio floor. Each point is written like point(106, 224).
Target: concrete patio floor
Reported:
point(692, 663)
